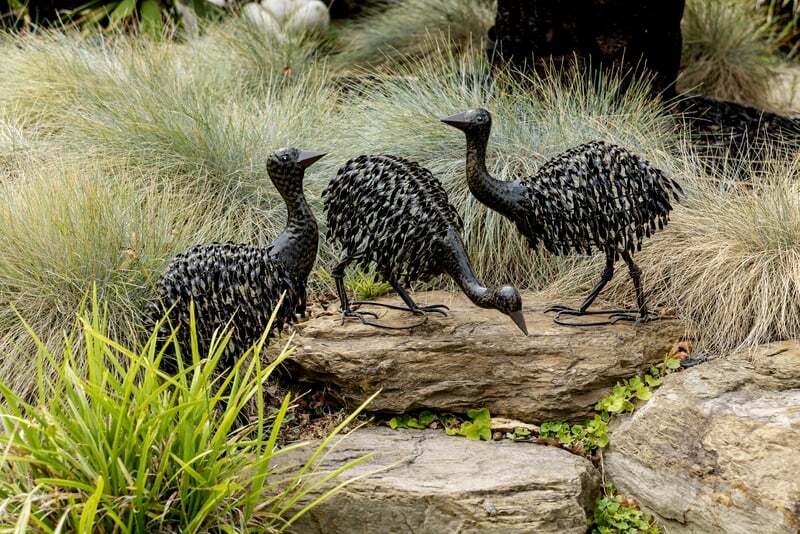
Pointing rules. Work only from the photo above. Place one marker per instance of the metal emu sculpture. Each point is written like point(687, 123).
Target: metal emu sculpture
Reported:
point(594, 196)
point(394, 213)
point(241, 284)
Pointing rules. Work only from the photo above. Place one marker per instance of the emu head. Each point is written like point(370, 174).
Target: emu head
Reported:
point(506, 299)
point(287, 166)
point(472, 122)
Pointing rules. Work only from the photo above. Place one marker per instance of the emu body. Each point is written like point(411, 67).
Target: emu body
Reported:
point(594, 197)
point(393, 213)
point(241, 284)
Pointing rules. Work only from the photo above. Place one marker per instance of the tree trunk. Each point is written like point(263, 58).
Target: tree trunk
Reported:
point(629, 33)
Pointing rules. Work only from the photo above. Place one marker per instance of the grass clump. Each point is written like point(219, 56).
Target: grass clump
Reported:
point(122, 447)
point(412, 29)
point(258, 60)
point(727, 53)
point(65, 228)
point(534, 119)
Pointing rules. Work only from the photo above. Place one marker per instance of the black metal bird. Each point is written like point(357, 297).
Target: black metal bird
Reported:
point(241, 284)
point(393, 213)
point(594, 196)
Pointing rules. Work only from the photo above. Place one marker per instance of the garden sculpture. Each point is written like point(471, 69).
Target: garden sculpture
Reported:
point(241, 284)
point(393, 213)
point(594, 196)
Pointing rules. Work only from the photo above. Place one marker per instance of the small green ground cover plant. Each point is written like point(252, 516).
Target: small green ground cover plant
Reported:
point(476, 426)
point(581, 438)
point(123, 447)
point(615, 514)
point(588, 436)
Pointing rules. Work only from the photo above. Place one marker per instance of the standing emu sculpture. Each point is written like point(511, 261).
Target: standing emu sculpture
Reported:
point(594, 196)
point(394, 213)
point(242, 284)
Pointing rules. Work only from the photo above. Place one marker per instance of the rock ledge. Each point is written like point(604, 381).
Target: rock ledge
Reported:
point(717, 448)
point(428, 482)
point(477, 358)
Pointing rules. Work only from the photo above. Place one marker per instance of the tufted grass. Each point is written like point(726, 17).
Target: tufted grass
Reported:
point(67, 227)
point(727, 263)
point(112, 444)
point(728, 52)
point(412, 29)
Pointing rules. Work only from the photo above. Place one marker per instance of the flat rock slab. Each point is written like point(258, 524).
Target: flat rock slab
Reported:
point(478, 358)
point(424, 481)
point(717, 448)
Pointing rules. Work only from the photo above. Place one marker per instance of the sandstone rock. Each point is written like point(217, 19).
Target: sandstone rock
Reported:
point(478, 358)
point(717, 448)
point(428, 482)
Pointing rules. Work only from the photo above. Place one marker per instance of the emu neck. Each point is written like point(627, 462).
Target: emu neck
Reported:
point(296, 246)
point(456, 263)
point(496, 194)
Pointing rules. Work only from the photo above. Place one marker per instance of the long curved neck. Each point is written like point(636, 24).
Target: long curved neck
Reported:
point(297, 245)
point(456, 263)
point(496, 194)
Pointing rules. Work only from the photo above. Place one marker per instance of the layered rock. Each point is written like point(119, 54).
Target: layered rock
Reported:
point(427, 482)
point(717, 448)
point(478, 358)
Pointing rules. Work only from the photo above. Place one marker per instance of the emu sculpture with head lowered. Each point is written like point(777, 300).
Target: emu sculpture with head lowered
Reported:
point(241, 284)
point(393, 213)
point(596, 196)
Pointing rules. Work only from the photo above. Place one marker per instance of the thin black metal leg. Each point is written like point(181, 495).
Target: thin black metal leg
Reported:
point(349, 313)
point(643, 315)
point(605, 277)
point(301, 307)
point(410, 306)
point(416, 308)
point(341, 290)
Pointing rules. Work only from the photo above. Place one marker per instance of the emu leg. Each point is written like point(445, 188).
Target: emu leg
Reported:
point(302, 305)
point(560, 309)
point(414, 307)
point(410, 306)
point(347, 312)
point(643, 315)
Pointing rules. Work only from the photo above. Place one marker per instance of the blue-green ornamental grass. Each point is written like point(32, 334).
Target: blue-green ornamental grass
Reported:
point(123, 447)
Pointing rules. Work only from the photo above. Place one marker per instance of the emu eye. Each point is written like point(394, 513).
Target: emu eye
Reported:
point(481, 118)
point(284, 158)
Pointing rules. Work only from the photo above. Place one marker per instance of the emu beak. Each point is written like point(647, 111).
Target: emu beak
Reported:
point(306, 159)
point(519, 320)
point(459, 120)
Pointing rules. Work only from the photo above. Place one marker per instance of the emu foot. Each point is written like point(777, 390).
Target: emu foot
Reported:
point(417, 310)
point(614, 316)
point(638, 317)
point(693, 360)
point(352, 314)
point(560, 309)
point(361, 316)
